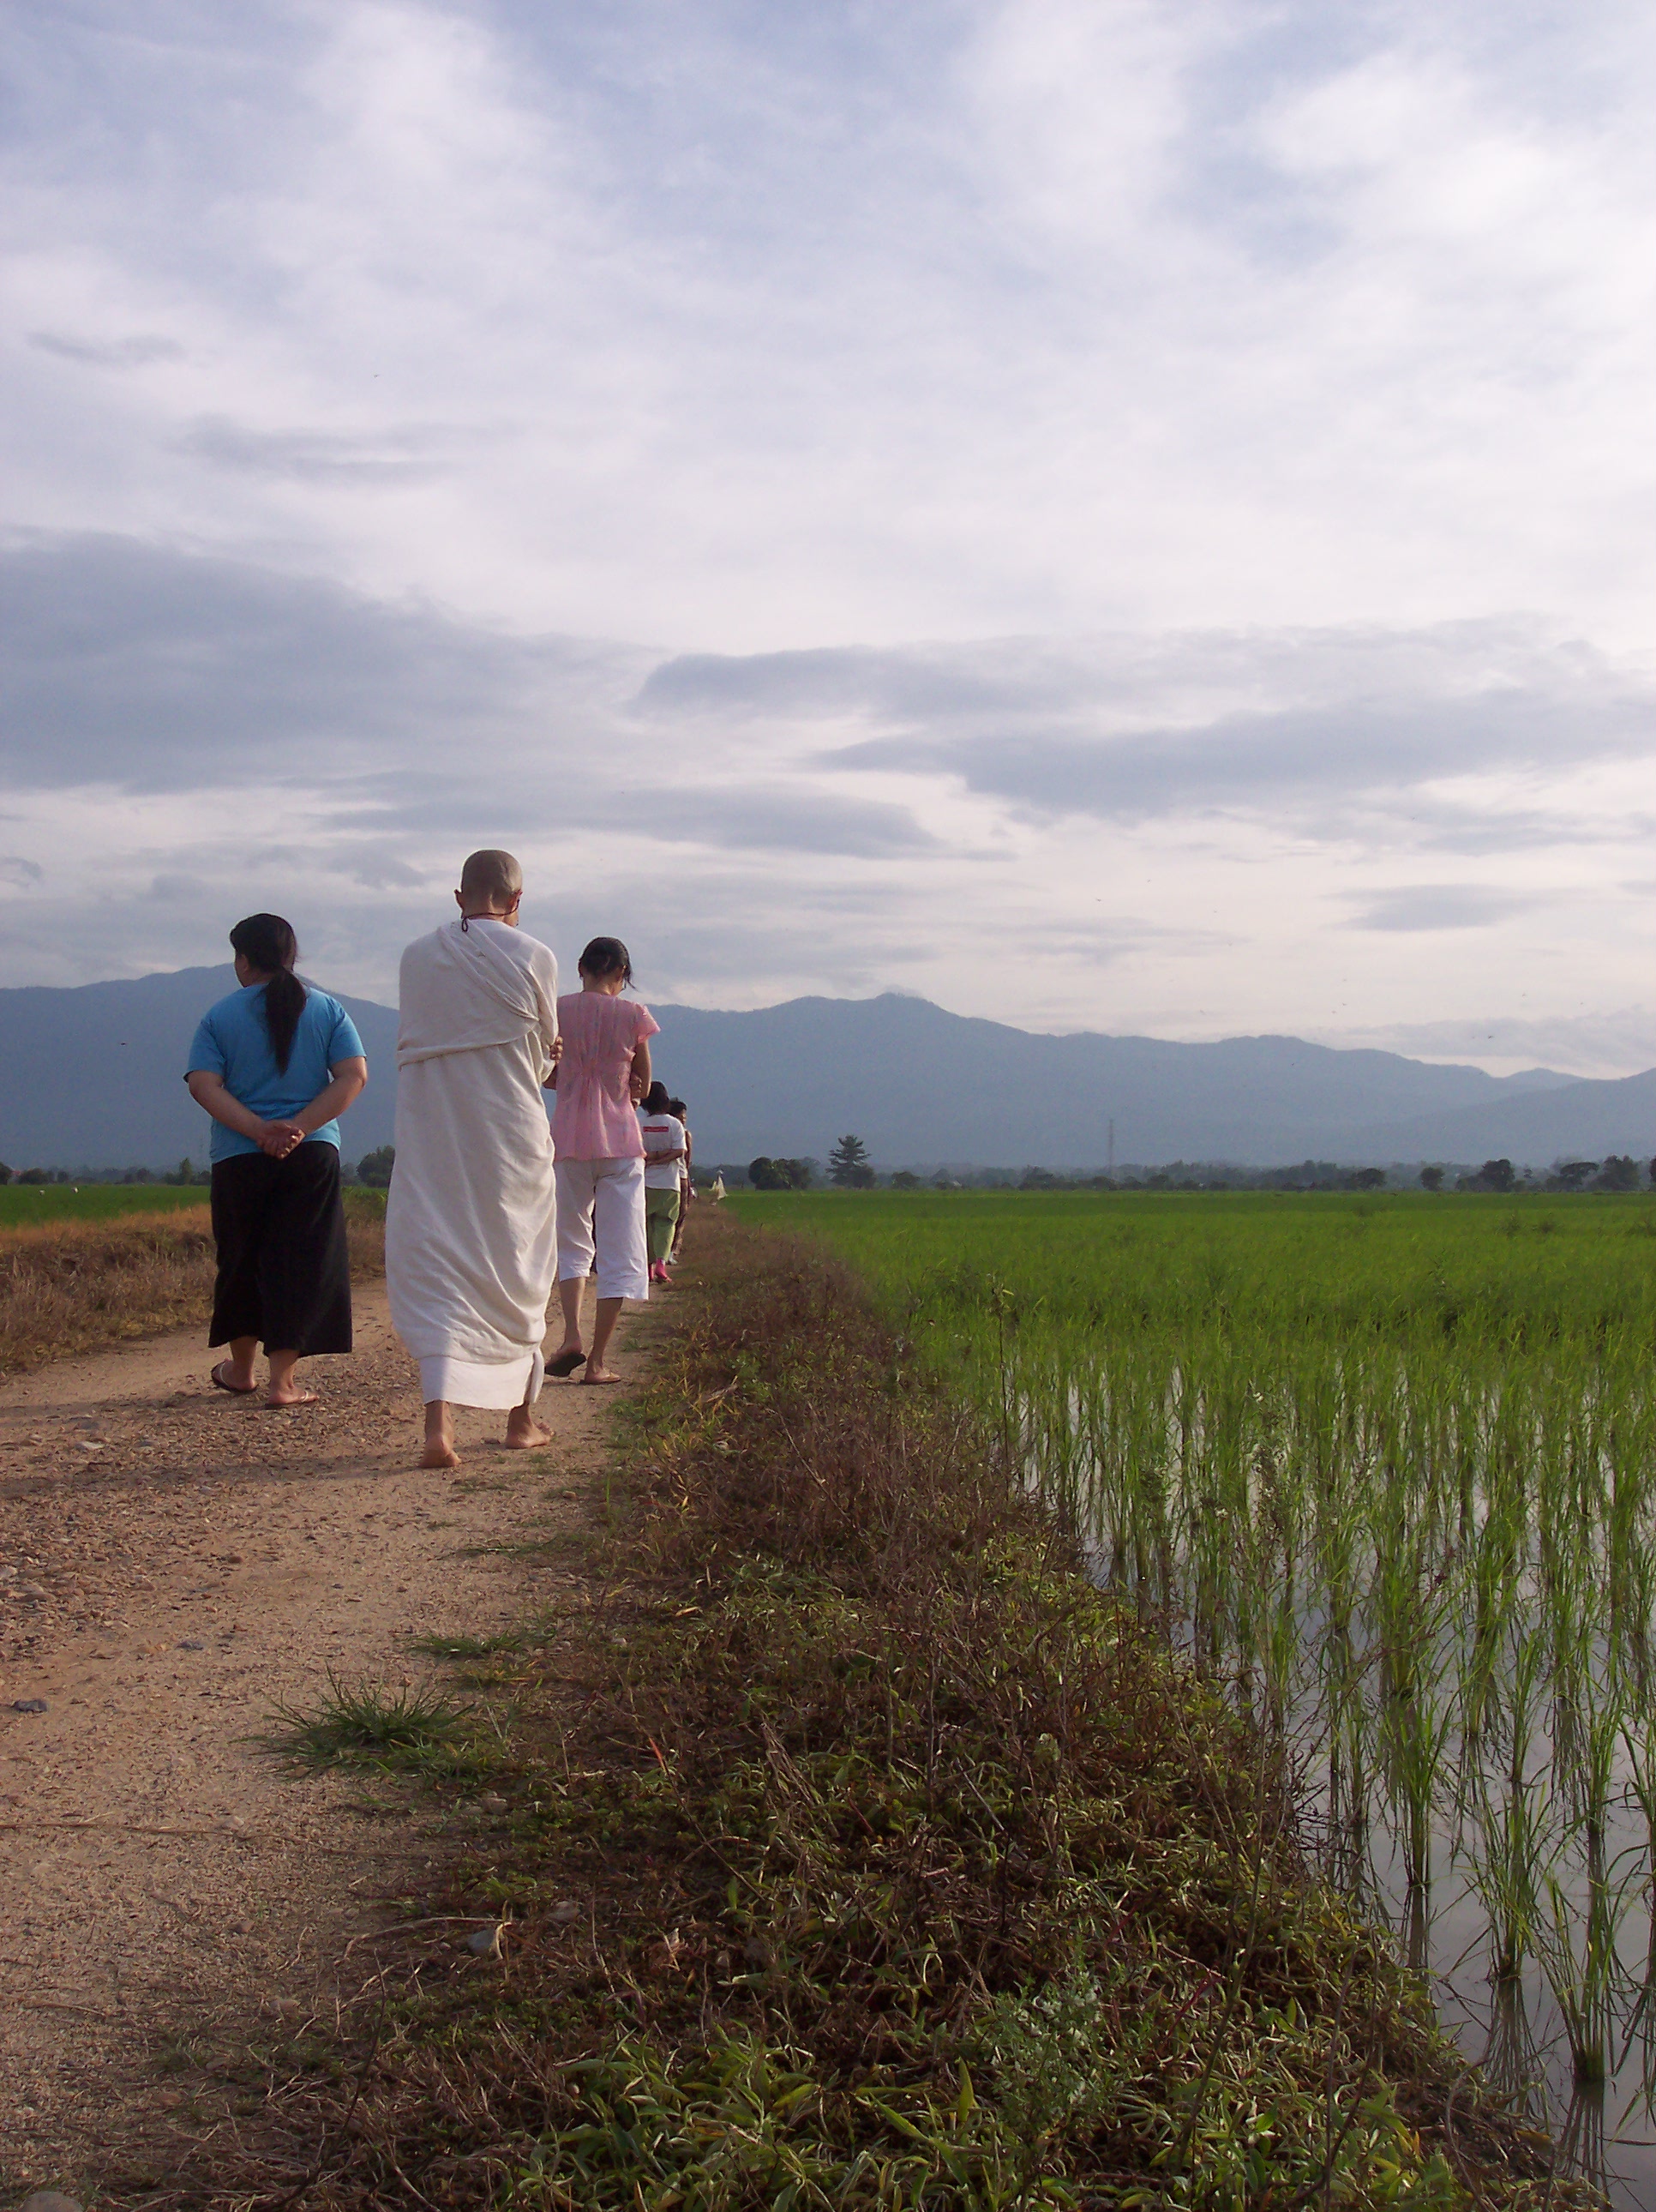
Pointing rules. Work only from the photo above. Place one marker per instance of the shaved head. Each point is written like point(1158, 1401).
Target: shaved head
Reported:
point(490, 879)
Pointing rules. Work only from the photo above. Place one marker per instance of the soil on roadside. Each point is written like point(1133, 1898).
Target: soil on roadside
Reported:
point(183, 1564)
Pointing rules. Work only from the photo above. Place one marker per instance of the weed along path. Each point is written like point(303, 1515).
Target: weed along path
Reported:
point(176, 1566)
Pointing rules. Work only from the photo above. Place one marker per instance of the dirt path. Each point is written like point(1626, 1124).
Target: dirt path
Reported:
point(174, 1564)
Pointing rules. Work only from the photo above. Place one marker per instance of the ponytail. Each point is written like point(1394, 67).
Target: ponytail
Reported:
point(266, 942)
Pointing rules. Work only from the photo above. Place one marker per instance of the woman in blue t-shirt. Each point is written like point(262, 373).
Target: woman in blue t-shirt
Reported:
point(274, 1064)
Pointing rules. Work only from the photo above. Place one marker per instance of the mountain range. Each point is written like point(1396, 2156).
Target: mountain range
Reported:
point(91, 1078)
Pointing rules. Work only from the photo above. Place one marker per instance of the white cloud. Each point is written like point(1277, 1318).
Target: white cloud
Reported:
point(1067, 483)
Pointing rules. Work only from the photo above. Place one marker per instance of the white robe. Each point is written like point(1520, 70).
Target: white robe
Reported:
point(471, 1221)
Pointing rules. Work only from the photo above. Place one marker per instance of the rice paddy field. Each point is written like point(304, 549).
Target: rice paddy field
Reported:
point(24, 1204)
point(1385, 1467)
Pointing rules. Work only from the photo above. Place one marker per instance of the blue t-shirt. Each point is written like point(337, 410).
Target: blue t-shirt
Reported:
point(233, 1043)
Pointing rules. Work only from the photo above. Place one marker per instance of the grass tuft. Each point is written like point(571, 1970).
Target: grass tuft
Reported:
point(369, 1720)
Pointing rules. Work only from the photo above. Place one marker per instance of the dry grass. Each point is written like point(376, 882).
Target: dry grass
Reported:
point(70, 1286)
point(861, 1855)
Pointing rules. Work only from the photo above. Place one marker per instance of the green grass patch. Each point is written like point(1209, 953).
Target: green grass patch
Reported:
point(471, 1647)
point(1395, 1267)
point(23, 1205)
point(374, 1722)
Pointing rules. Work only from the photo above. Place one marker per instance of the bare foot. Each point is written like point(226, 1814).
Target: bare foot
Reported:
point(438, 1454)
point(597, 1373)
point(526, 1434)
point(291, 1397)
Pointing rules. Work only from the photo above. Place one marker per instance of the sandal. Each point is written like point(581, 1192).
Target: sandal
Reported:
point(236, 1389)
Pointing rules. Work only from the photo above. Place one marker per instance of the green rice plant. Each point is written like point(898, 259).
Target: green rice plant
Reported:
point(1417, 1734)
point(1574, 1942)
point(1638, 1743)
point(1386, 1468)
point(1509, 1862)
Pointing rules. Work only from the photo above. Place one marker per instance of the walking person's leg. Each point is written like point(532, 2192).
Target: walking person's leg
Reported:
point(304, 1267)
point(682, 1216)
point(525, 1431)
point(577, 1198)
point(440, 1435)
point(623, 1259)
point(240, 1195)
point(660, 1213)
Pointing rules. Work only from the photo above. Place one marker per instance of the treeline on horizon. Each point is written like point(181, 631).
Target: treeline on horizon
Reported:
point(1619, 1172)
point(372, 1172)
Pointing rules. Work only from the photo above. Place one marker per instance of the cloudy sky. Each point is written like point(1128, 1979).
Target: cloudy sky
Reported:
point(1125, 514)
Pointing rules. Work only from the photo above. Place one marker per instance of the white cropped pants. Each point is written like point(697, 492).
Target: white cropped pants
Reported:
point(601, 1202)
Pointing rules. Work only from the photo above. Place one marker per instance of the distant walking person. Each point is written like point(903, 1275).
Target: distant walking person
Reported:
point(664, 1166)
point(275, 1064)
point(605, 1071)
point(470, 1224)
point(681, 1113)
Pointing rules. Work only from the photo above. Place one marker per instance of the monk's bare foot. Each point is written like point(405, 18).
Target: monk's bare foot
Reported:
point(438, 1453)
point(525, 1433)
point(597, 1373)
point(291, 1396)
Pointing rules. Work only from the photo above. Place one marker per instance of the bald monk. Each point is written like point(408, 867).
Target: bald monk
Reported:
point(470, 1224)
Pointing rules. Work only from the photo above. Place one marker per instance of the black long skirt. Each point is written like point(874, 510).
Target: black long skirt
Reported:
point(285, 1272)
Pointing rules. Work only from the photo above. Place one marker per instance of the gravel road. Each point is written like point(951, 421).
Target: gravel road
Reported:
point(176, 1564)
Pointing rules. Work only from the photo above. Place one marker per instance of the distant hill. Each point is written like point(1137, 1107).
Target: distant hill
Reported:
point(91, 1078)
point(921, 1086)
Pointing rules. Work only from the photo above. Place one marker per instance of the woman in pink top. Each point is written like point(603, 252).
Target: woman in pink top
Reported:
point(606, 1068)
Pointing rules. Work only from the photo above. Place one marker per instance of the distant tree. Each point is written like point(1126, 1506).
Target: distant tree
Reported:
point(374, 1168)
point(1619, 1172)
point(1431, 1178)
point(848, 1165)
point(1572, 1175)
point(905, 1179)
point(1040, 1179)
point(1494, 1174)
point(1368, 1179)
point(5, 1173)
point(767, 1174)
point(35, 1175)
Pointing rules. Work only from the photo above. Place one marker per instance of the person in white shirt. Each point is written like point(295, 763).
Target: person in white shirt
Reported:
point(663, 1164)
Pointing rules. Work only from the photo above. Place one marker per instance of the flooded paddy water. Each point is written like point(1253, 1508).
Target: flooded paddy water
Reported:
point(1385, 1470)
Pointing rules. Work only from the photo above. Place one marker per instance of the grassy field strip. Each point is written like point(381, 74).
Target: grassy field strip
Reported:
point(93, 1274)
point(22, 1204)
point(1386, 1469)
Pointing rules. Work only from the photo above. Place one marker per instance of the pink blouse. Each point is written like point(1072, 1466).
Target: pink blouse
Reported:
point(594, 1118)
